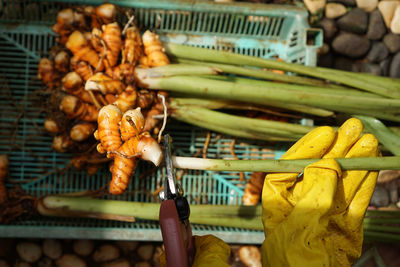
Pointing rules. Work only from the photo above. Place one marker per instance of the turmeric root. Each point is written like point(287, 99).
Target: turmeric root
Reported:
point(127, 99)
point(104, 84)
point(154, 50)
point(122, 171)
point(47, 73)
point(132, 48)
point(131, 124)
point(51, 126)
point(95, 40)
point(150, 122)
point(112, 38)
point(76, 109)
point(110, 98)
point(108, 129)
point(145, 147)
point(145, 98)
point(62, 143)
point(73, 84)
point(83, 69)
point(79, 46)
point(106, 13)
point(252, 192)
point(124, 72)
point(67, 21)
point(82, 131)
point(3, 174)
point(61, 61)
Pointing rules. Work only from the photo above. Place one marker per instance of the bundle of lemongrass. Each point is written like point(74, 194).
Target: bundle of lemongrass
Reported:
point(200, 76)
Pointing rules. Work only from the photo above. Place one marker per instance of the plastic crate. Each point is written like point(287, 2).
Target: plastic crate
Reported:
point(25, 36)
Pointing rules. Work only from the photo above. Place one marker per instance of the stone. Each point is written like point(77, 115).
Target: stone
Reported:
point(367, 5)
point(387, 176)
point(314, 6)
point(334, 10)
point(354, 21)
point(378, 52)
point(395, 24)
point(105, 253)
point(380, 198)
point(392, 42)
point(393, 191)
point(324, 49)
point(376, 26)
point(83, 247)
point(387, 9)
point(351, 45)
point(344, 2)
point(385, 66)
point(329, 27)
point(370, 68)
point(394, 71)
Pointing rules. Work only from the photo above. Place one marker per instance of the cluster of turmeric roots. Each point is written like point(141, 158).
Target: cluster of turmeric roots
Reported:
point(91, 71)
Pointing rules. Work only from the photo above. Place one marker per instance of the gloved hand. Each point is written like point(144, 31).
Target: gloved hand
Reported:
point(317, 219)
point(210, 252)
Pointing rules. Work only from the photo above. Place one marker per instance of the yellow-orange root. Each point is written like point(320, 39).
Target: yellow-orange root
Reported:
point(112, 38)
point(132, 48)
point(131, 124)
point(154, 50)
point(127, 99)
point(82, 131)
point(108, 128)
point(104, 84)
point(252, 192)
point(76, 109)
point(79, 46)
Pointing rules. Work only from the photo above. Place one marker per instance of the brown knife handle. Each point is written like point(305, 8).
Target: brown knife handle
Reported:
point(173, 231)
point(190, 246)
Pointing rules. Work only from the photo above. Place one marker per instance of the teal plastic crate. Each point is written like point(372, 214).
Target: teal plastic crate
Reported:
point(25, 36)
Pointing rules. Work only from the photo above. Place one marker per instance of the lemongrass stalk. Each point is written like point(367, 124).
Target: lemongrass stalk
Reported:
point(228, 130)
point(298, 165)
point(175, 69)
point(302, 88)
point(385, 136)
point(395, 130)
point(366, 256)
point(242, 123)
point(381, 228)
point(262, 74)
point(263, 95)
point(380, 213)
point(378, 85)
point(231, 216)
point(383, 237)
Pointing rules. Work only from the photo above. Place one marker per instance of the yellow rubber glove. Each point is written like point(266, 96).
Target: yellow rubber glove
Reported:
point(317, 219)
point(210, 252)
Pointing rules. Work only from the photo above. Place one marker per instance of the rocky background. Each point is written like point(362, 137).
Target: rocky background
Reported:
point(86, 253)
point(359, 35)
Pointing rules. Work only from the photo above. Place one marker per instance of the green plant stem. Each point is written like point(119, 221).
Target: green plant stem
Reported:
point(263, 74)
point(175, 69)
point(379, 163)
point(244, 122)
point(389, 139)
point(230, 216)
point(382, 228)
point(228, 130)
point(378, 85)
point(267, 95)
point(300, 88)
